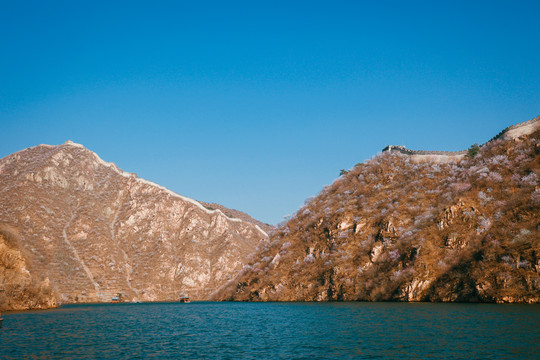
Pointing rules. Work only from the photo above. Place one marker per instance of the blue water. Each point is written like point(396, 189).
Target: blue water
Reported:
point(205, 330)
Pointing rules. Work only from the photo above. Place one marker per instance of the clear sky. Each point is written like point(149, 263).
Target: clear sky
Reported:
point(258, 104)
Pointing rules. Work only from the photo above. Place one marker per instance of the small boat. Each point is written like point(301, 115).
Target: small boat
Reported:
point(115, 299)
point(184, 299)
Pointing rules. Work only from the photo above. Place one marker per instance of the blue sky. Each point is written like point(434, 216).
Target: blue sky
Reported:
point(258, 104)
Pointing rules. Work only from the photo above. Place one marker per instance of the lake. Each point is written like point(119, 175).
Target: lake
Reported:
point(207, 330)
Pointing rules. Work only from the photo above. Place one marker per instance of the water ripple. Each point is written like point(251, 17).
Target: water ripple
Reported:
point(274, 331)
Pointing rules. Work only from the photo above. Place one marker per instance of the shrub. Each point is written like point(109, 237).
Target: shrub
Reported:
point(473, 150)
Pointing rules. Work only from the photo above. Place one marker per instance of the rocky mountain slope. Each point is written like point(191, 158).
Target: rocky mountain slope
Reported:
point(236, 214)
point(95, 231)
point(21, 290)
point(396, 229)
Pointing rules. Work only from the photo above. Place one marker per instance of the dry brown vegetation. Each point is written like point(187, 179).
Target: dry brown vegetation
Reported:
point(95, 231)
point(393, 229)
point(22, 290)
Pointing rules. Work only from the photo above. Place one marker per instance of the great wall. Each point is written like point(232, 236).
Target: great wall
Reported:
point(509, 133)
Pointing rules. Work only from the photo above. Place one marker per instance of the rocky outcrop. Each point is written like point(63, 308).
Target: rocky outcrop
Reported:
point(95, 231)
point(21, 289)
point(458, 211)
point(393, 229)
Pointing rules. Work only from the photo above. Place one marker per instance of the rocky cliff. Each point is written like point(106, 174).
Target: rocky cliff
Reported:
point(393, 229)
point(20, 289)
point(92, 230)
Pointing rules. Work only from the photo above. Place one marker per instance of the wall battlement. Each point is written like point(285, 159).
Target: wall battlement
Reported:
point(511, 132)
point(404, 150)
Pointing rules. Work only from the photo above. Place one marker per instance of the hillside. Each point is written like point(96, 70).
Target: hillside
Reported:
point(402, 229)
point(94, 230)
point(22, 290)
point(236, 214)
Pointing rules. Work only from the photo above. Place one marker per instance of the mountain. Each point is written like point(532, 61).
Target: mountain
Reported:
point(413, 226)
point(90, 231)
point(236, 214)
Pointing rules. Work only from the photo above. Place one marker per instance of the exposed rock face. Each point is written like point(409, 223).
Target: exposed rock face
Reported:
point(21, 290)
point(95, 231)
point(395, 229)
